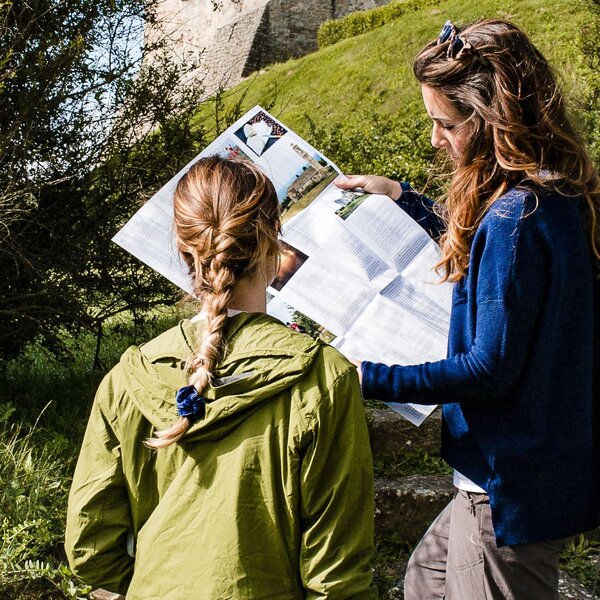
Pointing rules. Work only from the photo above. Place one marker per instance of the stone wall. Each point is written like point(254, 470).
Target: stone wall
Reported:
point(244, 36)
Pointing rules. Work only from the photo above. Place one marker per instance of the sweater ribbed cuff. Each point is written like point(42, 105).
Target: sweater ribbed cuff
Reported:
point(370, 389)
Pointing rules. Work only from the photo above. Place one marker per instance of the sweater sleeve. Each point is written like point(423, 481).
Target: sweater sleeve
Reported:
point(422, 210)
point(511, 267)
point(337, 499)
point(98, 513)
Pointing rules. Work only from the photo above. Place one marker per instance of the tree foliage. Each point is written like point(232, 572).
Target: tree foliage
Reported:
point(93, 122)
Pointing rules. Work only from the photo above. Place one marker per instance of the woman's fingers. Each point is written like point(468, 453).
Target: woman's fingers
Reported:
point(350, 182)
point(373, 184)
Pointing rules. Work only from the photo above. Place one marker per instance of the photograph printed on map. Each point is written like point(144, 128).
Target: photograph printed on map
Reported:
point(232, 151)
point(291, 260)
point(260, 133)
point(307, 182)
point(349, 201)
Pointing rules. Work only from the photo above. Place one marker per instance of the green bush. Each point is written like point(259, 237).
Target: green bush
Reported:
point(331, 32)
point(581, 559)
point(33, 487)
point(52, 392)
point(396, 146)
point(416, 462)
point(589, 105)
point(66, 381)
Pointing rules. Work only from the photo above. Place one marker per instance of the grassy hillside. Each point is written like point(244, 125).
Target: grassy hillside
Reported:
point(363, 86)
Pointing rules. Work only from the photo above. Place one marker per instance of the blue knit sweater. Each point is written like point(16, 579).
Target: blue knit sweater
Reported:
point(517, 387)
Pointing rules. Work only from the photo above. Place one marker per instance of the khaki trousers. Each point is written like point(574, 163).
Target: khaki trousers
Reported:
point(458, 559)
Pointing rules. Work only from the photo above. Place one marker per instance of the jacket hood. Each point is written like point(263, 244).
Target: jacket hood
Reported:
point(262, 358)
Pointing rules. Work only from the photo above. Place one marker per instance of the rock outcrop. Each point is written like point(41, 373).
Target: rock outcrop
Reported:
point(242, 36)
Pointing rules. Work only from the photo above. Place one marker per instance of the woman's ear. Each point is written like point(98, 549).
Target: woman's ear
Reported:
point(271, 264)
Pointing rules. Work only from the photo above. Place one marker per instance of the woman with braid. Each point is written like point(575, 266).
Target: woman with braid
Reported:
point(520, 236)
point(229, 456)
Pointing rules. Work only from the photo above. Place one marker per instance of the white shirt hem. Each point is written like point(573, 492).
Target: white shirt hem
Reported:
point(464, 483)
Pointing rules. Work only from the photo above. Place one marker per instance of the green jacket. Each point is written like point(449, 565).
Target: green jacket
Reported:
point(270, 495)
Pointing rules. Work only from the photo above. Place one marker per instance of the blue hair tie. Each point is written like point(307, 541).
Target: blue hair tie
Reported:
point(190, 403)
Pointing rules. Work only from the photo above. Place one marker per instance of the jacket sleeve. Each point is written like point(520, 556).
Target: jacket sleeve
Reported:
point(513, 269)
point(336, 509)
point(422, 210)
point(98, 513)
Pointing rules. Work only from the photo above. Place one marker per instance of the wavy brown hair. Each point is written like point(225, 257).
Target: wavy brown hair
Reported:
point(521, 134)
point(227, 224)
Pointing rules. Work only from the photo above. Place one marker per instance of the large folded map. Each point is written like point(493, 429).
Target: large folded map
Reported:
point(357, 271)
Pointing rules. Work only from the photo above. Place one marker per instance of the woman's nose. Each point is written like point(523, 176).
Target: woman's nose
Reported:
point(437, 138)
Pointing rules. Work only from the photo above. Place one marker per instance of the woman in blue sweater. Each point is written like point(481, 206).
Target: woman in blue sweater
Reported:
point(520, 236)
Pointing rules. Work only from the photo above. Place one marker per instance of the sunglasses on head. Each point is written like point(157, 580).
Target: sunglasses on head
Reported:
point(456, 45)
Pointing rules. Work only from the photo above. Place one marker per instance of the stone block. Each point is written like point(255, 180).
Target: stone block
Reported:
point(392, 436)
point(406, 506)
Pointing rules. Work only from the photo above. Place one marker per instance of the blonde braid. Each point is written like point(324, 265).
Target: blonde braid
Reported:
point(220, 278)
point(227, 222)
